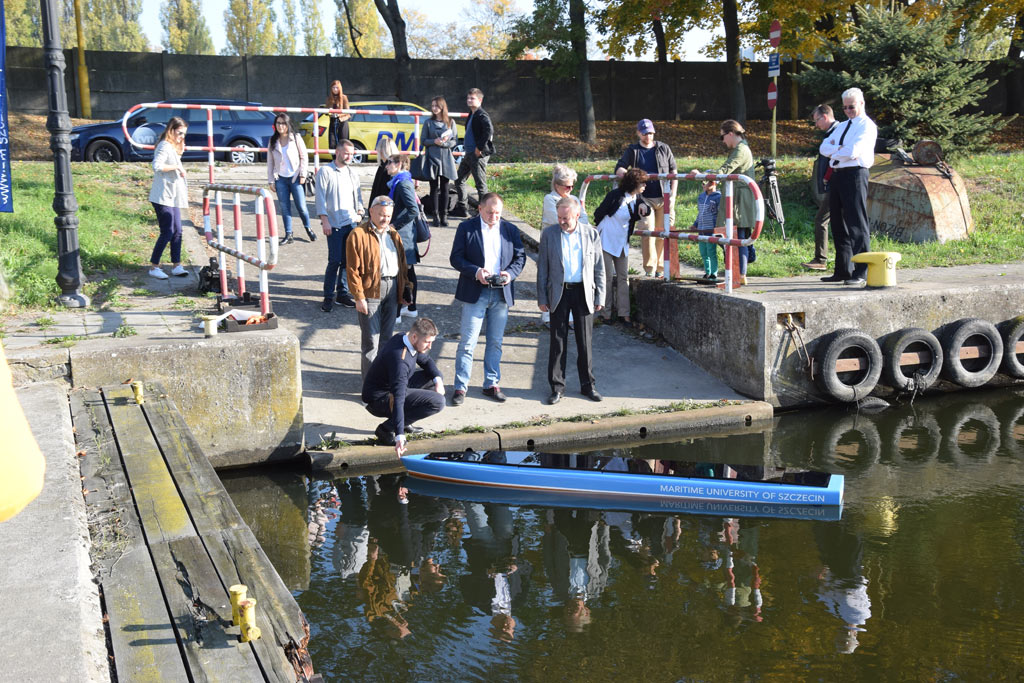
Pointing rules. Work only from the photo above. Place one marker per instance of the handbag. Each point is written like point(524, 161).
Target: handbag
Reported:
point(420, 169)
point(421, 228)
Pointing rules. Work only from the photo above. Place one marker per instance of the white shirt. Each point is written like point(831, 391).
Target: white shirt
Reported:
point(492, 246)
point(388, 254)
point(858, 137)
point(287, 170)
point(572, 256)
point(614, 230)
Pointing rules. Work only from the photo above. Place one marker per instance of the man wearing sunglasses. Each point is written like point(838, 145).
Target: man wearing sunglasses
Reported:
point(851, 152)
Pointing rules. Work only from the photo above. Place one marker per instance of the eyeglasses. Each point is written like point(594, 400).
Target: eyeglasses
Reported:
point(849, 107)
point(382, 201)
point(722, 136)
point(281, 123)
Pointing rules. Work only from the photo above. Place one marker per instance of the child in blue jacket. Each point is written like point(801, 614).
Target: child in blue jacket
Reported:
point(707, 219)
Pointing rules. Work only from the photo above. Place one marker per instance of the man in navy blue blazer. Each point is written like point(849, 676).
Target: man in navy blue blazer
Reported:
point(488, 253)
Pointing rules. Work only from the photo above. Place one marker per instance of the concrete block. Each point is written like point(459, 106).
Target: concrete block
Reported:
point(240, 394)
point(39, 364)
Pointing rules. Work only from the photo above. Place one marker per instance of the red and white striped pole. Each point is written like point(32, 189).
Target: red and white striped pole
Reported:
point(209, 143)
point(237, 212)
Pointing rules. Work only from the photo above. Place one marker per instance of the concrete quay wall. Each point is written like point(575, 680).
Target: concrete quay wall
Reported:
point(240, 394)
point(742, 339)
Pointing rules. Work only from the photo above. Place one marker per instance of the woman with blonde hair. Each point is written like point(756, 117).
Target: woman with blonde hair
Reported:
point(169, 195)
point(337, 129)
point(563, 179)
point(386, 148)
point(438, 136)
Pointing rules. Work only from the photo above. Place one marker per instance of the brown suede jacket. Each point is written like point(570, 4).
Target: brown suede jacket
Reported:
point(362, 263)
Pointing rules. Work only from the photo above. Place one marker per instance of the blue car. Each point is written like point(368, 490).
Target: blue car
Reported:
point(106, 141)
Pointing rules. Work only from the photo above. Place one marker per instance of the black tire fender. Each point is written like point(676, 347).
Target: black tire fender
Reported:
point(1013, 362)
point(908, 340)
point(976, 419)
point(851, 445)
point(847, 386)
point(916, 438)
point(974, 372)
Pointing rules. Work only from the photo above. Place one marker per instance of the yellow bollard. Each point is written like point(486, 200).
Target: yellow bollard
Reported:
point(210, 324)
point(139, 391)
point(881, 267)
point(237, 593)
point(247, 609)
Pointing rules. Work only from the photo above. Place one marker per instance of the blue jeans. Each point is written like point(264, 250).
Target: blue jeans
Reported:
point(169, 218)
point(335, 279)
point(491, 307)
point(287, 190)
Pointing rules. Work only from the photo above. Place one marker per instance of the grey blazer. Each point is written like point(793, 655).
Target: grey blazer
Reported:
point(549, 266)
point(169, 188)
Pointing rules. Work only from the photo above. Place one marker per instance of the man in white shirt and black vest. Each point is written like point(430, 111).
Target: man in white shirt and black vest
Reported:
point(851, 152)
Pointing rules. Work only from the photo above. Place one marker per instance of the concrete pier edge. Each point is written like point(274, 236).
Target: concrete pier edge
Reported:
point(559, 436)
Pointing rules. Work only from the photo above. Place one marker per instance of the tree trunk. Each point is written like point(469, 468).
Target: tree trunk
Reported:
point(659, 41)
point(392, 16)
point(578, 29)
point(1015, 72)
point(733, 67)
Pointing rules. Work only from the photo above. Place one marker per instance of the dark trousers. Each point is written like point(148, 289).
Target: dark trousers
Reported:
point(410, 275)
point(439, 194)
point(169, 218)
point(336, 130)
point(421, 401)
point(573, 300)
point(848, 202)
point(335, 278)
point(473, 165)
point(822, 219)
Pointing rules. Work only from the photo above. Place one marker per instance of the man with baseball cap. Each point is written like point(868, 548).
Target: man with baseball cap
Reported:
point(653, 157)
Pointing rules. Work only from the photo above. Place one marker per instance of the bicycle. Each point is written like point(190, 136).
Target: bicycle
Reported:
point(769, 185)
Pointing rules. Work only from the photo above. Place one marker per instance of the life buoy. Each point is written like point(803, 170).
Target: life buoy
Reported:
point(1013, 362)
point(848, 385)
point(971, 372)
point(909, 378)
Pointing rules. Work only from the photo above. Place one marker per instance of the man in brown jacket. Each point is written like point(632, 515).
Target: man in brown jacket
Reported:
point(376, 268)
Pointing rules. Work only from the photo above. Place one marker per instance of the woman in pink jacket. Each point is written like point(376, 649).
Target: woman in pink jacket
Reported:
point(286, 173)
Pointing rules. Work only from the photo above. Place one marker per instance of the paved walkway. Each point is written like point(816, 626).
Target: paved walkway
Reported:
point(632, 371)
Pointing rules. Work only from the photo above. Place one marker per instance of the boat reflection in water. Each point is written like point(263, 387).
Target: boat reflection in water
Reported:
point(601, 481)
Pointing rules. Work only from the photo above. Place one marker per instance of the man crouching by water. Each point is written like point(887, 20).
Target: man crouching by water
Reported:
point(393, 391)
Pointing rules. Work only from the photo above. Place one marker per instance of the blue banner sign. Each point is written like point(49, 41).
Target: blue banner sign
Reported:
point(6, 191)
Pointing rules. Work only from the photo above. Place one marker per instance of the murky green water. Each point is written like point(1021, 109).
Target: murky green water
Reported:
point(921, 579)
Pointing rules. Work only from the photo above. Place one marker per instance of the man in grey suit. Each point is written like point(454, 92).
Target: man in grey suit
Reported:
point(570, 278)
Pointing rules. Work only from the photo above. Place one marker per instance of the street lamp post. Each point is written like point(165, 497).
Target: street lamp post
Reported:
point(69, 263)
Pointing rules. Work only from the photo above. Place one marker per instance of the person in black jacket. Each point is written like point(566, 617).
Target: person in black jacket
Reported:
point(393, 391)
point(615, 219)
point(479, 145)
point(825, 121)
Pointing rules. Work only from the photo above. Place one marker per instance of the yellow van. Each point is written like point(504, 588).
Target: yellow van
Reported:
point(365, 130)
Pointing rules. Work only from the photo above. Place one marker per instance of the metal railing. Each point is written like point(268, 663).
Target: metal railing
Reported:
point(671, 265)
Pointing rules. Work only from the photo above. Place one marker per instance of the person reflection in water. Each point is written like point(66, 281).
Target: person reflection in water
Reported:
point(384, 609)
point(503, 625)
point(577, 559)
point(842, 586)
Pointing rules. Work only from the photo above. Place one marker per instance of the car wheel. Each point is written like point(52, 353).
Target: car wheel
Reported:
point(359, 156)
point(246, 156)
point(102, 150)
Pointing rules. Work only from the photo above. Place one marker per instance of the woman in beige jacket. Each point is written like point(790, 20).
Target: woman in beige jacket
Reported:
point(169, 196)
point(286, 173)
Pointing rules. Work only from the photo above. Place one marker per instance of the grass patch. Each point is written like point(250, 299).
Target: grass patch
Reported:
point(45, 322)
point(124, 331)
point(995, 191)
point(116, 229)
point(65, 341)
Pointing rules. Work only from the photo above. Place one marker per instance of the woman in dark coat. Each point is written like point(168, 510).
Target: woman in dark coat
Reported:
point(403, 192)
point(438, 136)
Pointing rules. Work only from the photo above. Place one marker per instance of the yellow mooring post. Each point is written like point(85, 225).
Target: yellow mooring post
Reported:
point(237, 593)
point(139, 391)
point(250, 631)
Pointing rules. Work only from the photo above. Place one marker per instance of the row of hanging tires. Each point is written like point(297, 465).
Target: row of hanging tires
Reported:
point(968, 352)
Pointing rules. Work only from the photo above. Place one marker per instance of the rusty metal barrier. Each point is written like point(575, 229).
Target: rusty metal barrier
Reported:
point(671, 265)
point(210, 148)
point(264, 208)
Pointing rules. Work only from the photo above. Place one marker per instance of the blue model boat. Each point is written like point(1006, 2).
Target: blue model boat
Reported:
point(611, 482)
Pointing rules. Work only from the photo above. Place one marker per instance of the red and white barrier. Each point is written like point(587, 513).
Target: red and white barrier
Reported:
point(672, 256)
point(265, 217)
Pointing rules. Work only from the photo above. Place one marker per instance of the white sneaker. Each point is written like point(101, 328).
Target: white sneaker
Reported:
point(158, 273)
point(407, 313)
point(179, 271)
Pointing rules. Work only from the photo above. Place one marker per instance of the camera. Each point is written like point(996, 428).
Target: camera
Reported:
point(495, 280)
point(768, 165)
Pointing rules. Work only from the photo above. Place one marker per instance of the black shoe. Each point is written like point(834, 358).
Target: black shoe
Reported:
point(346, 300)
point(413, 429)
point(854, 281)
point(444, 221)
point(591, 393)
point(385, 437)
point(312, 235)
point(437, 222)
point(833, 278)
point(288, 239)
point(554, 398)
point(495, 393)
point(460, 211)
point(458, 397)
point(327, 305)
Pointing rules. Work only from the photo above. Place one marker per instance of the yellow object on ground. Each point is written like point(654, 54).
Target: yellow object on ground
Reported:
point(881, 267)
point(21, 464)
point(247, 610)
